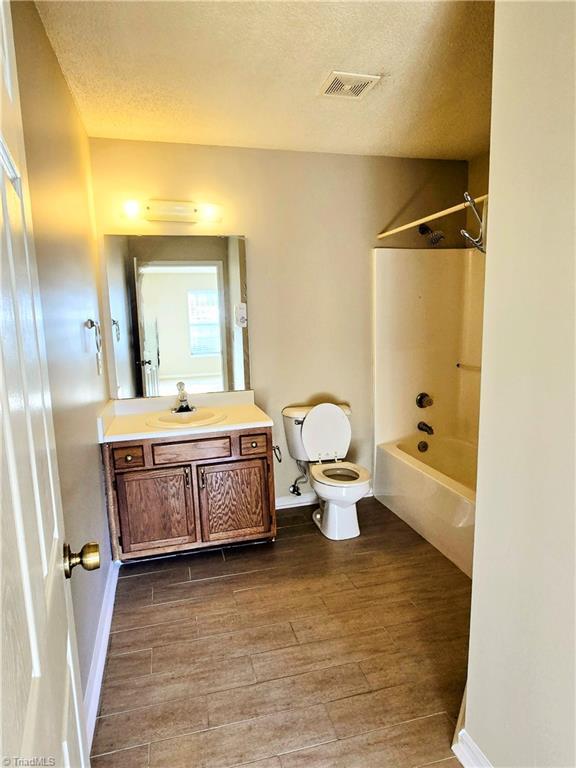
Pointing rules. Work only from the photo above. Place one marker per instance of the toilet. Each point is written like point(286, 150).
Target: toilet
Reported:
point(320, 435)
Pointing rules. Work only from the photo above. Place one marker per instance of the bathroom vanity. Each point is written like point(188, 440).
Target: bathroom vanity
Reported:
point(186, 487)
point(175, 319)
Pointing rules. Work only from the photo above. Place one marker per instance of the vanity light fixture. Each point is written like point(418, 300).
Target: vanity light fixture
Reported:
point(182, 210)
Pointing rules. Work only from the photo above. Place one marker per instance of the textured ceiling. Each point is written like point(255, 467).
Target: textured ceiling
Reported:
point(248, 74)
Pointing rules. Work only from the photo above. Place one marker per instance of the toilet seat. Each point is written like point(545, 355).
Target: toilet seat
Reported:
point(328, 474)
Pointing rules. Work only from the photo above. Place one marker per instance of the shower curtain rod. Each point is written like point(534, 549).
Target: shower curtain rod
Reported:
point(431, 217)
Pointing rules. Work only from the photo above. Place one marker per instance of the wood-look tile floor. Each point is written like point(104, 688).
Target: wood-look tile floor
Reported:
point(304, 653)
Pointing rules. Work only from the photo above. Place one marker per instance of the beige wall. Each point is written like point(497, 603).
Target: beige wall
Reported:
point(310, 221)
point(59, 171)
point(521, 685)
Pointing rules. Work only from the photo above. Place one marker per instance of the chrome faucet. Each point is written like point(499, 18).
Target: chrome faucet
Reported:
point(423, 427)
point(182, 404)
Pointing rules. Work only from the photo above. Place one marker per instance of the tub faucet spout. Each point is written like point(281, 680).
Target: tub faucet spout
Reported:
point(423, 427)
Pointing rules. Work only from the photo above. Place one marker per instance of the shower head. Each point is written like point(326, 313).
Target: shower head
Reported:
point(434, 237)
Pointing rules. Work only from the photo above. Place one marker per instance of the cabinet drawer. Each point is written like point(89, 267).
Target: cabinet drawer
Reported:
point(192, 450)
point(250, 444)
point(128, 457)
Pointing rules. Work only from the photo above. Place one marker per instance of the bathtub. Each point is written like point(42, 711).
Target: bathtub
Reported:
point(434, 492)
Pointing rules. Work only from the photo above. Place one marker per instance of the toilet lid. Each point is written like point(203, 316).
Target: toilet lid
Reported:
point(326, 433)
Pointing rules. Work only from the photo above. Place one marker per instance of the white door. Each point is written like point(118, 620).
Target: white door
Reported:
point(41, 707)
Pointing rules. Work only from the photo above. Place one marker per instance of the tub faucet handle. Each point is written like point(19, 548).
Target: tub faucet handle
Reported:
point(423, 400)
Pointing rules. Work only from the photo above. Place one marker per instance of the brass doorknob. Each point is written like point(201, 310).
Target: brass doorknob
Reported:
point(88, 558)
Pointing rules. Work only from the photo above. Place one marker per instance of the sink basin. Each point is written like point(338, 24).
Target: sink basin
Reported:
point(200, 418)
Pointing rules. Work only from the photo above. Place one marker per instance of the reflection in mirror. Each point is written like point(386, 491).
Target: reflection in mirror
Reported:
point(176, 311)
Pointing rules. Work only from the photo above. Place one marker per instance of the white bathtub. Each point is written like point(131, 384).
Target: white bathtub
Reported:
point(434, 492)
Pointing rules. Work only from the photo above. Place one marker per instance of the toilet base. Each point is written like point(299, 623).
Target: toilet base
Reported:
point(336, 522)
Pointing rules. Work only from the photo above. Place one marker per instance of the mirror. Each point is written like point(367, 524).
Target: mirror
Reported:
point(175, 310)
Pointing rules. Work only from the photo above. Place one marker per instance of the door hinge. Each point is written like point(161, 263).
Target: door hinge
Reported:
point(120, 541)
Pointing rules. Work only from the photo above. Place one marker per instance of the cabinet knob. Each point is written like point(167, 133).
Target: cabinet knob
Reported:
point(254, 444)
point(128, 458)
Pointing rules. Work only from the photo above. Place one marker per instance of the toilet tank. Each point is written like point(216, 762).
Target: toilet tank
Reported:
point(293, 416)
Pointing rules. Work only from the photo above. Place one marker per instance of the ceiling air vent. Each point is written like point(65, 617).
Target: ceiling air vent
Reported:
point(348, 84)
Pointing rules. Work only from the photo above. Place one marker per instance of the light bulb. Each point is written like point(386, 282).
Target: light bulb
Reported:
point(132, 209)
point(209, 213)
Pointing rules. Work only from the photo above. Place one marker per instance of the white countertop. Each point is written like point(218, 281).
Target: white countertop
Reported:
point(128, 420)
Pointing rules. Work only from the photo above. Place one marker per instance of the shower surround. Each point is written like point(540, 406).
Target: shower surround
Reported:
point(427, 313)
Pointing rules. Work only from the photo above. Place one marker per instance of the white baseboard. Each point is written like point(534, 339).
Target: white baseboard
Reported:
point(94, 683)
point(469, 753)
point(283, 502)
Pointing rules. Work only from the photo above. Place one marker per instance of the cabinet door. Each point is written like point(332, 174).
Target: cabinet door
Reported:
point(234, 500)
point(155, 508)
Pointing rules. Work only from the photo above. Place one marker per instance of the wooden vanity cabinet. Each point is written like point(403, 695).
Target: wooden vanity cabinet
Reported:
point(183, 493)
